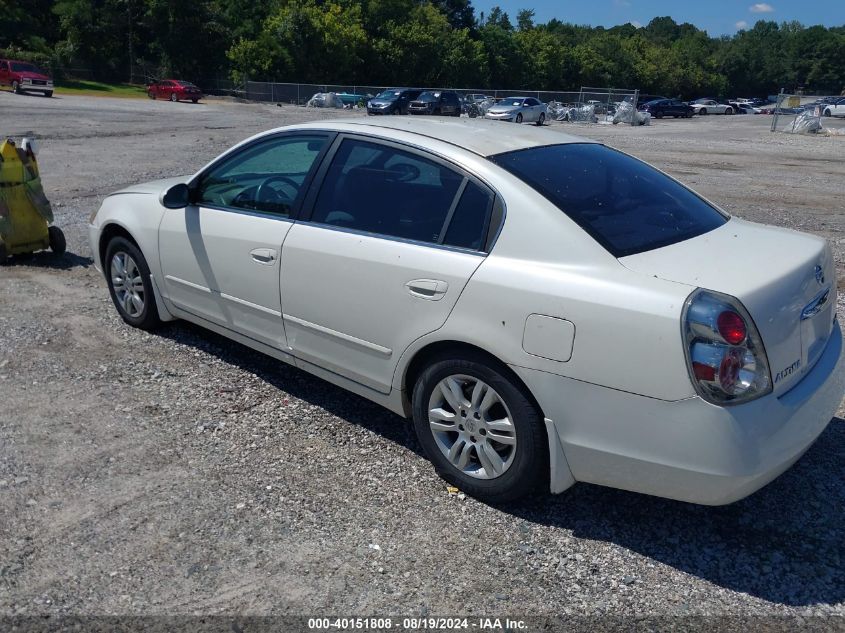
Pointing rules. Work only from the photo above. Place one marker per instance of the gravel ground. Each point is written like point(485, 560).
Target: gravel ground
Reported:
point(178, 472)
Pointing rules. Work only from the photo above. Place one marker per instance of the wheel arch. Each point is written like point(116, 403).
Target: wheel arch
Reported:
point(108, 233)
point(559, 475)
point(422, 357)
point(113, 229)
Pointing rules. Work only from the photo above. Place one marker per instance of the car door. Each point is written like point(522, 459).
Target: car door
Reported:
point(532, 110)
point(221, 254)
point(391, 240)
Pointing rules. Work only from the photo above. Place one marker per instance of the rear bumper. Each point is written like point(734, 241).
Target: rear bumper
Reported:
point(689, 450)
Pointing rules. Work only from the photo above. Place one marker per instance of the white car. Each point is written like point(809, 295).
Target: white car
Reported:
point(547, 309)
point(518, 110)
point(836, 108)
point(709, 106)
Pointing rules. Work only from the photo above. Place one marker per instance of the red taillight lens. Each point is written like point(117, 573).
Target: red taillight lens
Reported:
point(731, 327)
point(724, 351)
point(703, 371)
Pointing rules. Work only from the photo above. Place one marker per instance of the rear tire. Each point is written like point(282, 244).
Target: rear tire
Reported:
point(58, 244)
point(4, 254)
point(194, 100)
point(498, 451)
point(173, 97)
point(48, 94)
point(130, 286)
point(151, 95)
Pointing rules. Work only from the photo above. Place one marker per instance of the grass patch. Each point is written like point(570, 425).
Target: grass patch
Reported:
point(98, 89)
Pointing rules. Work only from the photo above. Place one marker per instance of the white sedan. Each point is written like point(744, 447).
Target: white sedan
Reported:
point(837, 108)
point(709, 106)
point(547, 309)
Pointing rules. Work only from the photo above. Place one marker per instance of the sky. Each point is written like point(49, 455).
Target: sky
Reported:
point(717, 17)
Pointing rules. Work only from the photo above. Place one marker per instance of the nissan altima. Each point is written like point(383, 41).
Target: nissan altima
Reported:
point(545, 308)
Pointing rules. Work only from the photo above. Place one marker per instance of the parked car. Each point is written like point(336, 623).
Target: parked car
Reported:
point(442, 102)
point(668, 107)
point(349, 99)
point(392, 101)
point(25, 77)
point(837, 108)
point(175, 90)
point(711, 106)
point(536, 303)
point(644, 98)
point(518, 110)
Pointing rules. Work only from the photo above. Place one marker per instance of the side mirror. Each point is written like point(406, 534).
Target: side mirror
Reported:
point(177, 197)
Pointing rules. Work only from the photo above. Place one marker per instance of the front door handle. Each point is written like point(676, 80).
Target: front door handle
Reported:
point(431, 289)
point(264, 256)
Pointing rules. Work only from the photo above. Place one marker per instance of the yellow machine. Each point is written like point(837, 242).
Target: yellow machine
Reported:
point(25, 212)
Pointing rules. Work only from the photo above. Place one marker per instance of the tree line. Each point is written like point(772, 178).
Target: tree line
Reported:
point(416, 43)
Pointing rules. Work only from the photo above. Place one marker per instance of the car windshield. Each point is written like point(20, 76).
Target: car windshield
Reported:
point(389, 95)
point(22, 67)
point(625, 205)
point(511, 102)
point(429, 96)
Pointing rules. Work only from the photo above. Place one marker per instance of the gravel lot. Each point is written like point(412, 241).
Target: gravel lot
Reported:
point(178, 472)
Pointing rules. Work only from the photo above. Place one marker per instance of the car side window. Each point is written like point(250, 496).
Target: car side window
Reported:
point(531, 102)
point(267, 176)
point(471, 219)
point(394, 193)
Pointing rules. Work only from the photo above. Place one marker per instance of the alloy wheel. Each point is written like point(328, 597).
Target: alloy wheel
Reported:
point(472, 426)
point(128, 284)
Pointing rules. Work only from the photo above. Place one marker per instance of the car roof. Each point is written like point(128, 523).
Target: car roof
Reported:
point(481, 136)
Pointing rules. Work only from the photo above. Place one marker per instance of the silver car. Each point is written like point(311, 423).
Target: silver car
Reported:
point(519, 110)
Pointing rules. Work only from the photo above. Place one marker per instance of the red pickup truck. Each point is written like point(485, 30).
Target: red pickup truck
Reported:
point(24, 77)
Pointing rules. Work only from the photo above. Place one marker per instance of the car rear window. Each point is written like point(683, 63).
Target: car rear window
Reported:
point(625, 205)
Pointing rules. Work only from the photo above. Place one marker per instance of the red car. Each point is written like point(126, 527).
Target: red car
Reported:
point(24, 77)
point(175, 90)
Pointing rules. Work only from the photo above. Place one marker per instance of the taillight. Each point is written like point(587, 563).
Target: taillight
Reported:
point(725, 354)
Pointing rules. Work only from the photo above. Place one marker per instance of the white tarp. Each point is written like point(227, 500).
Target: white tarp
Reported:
point(325, 100)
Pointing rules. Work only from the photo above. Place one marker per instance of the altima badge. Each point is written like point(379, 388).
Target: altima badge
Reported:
point(819, 275)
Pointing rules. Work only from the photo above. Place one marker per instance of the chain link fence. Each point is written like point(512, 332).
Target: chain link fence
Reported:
point(808, 114)
point(299, 94)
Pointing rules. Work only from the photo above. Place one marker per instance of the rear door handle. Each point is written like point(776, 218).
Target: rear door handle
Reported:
point(264, 256)
point(431, 289)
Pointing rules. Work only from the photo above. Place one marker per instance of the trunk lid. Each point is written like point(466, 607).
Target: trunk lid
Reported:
point(785, 279)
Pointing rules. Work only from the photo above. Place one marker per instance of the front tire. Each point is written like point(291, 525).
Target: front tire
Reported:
point(130, 286)
point(827, 112)
point(58, 244)
point(518, 118)
point(703, 112)
point(16, 88)
point(4, 254)
point(479, 429)
point(541, 119)
point(729, 111)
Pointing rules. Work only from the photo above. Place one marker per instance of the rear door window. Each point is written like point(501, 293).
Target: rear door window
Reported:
point(382, 189)
point(625, 205)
